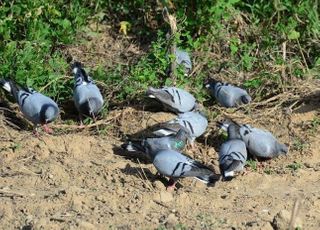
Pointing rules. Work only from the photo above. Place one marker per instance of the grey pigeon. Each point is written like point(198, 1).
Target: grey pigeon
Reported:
point(232, 153)
point(260, 143)
point(183, 58)
point(87, 96)
point(175, 165)
point(150, 146)
point(174, 99)
point(36, 107)
point(226, 94)
point(195, 122)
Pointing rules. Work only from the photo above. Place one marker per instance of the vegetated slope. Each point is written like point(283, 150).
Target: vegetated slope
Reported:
point(80, 179)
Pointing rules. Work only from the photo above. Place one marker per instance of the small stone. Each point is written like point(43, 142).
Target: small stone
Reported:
point(223, 196)
point(282, 220)
point(308, 165)
point(267, 226)
point(166, 196)
point(163, 196)
point(158, 185)
point(85, 225)
point(171, 221)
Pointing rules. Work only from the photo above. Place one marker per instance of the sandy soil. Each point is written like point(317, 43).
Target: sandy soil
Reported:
point(79, 179)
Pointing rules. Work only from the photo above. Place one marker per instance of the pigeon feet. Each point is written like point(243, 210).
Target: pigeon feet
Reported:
point(47, 129)
point(36, 133)
point(171, 185)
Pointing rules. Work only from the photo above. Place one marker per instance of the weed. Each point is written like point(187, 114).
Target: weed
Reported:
point(315, 123)
point(299, 145)
point(252, 164)
point(268, 171)
point(294, 166)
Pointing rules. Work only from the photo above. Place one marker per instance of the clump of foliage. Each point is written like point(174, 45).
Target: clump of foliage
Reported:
point(261, 44)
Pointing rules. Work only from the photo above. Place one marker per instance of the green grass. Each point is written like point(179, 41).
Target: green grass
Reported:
point(252, 164)
point(248, 36)
point(294, 166)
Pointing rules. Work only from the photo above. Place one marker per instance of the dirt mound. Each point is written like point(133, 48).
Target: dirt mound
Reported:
point(79, 180)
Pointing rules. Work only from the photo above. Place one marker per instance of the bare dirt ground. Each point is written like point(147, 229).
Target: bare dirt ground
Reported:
point(81, 180)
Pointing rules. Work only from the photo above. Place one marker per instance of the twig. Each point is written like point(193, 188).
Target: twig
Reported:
point(145, 176)
point(13, 193)
point(172, 21)
point(283, 69)
point(294, 214)
point(304, 59)
point(101, 122)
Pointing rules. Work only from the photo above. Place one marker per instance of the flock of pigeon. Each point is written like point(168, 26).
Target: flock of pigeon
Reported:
point(170, 138)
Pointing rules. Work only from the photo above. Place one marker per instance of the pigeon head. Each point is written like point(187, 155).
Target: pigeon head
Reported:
point(48, 113)
point(283, 149)
point(245, 99)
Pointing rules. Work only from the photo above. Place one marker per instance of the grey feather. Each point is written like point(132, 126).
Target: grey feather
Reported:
point(150, 146)
point(87, 96)
point(228, 95)
point(232, 153)
point(176, 165)
point(260, 143)
point(36, 107)
point(195, 123)
point(174, 99)
point(183, 58)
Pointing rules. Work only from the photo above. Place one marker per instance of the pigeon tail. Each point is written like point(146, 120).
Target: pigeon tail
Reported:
point(76, 64)
point(210, 83)
point(233, 132)
point(10, 87)
point(229, 167)
point(208, 179)
point(245, 99)
point(226, 123)
point(150, 92)
point(182, 134)
point(78, 71)
point(132, 146)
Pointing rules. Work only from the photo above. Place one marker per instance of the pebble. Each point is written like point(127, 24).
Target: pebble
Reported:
point(282, 220)
point(171, 221)
point(267, 226)
point(163, 196)
point(85, 225)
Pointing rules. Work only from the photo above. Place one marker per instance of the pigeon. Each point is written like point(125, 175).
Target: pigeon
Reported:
point(150, 146)
point(175, 165)
point(232, 153)
point(260, 143)
point(174, 99)
point(195, 122)
point(226, 94)
point(36, 107)
point(87, 96)
point(183, 58)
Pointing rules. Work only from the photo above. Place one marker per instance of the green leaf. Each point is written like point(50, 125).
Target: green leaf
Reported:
point(293, 35)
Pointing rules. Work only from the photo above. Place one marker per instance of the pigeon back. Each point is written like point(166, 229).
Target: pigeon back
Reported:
point(174, 99)
point(174, 164)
